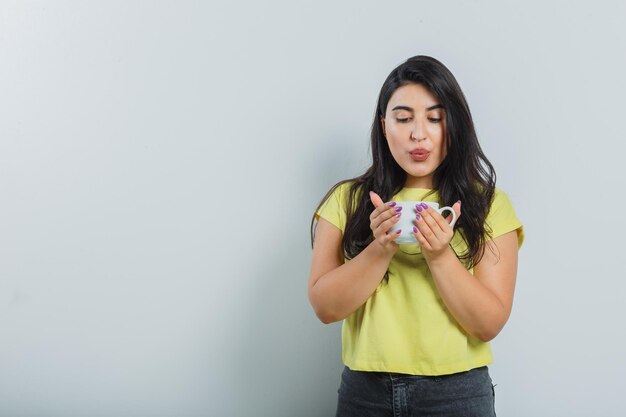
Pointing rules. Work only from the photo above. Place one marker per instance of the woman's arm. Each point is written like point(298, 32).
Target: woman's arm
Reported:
point(336, 289)
point(481, 303)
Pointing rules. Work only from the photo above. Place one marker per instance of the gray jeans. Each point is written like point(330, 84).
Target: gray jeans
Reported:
point(369, 394)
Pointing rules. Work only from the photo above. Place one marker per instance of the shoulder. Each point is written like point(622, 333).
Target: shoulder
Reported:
point(500, 194)
point(334, 205)
point(341, 190)
point(345, 185)
point(502, 216)
point(500, 200)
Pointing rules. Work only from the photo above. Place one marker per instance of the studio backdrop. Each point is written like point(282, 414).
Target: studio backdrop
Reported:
point(160, 163)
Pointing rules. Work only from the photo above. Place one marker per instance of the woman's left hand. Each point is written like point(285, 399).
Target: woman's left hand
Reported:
point(433, 230)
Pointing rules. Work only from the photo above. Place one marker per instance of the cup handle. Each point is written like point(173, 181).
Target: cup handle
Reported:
point(441, 210)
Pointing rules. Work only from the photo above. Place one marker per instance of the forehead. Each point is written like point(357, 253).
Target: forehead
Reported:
point(412, 95)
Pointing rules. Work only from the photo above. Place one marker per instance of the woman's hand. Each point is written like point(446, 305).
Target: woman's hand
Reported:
point(433, 230)
point(382, 219)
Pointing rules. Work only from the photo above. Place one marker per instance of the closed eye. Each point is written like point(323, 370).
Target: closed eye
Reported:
point(407, 119)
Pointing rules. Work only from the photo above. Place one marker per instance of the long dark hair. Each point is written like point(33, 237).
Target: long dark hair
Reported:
point(460, 176)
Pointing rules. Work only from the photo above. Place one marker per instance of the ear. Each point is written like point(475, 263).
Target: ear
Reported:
point(382, 121)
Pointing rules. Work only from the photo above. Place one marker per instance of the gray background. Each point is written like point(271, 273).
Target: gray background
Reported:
point(160, 163)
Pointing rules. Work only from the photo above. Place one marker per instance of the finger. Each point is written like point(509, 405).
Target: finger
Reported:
point(392, 236)
point(457, 209)
point(387, 223)
point(384, 210)
point(424, 231)
point(428, 217)
point(421, 239)
point(378, 203)
point(375, 198)
point(377, 221)
point(445, 230)
point(443, 225)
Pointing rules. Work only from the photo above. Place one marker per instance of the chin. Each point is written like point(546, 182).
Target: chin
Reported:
point(419, 172)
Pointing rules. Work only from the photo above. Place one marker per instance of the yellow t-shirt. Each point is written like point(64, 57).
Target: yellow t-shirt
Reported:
point(404, 326)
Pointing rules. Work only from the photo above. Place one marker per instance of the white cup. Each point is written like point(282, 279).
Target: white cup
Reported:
point(406, 222)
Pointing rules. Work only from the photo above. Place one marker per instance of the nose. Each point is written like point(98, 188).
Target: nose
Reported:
point(418, 132)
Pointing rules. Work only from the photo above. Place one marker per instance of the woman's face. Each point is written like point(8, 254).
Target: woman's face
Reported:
point(415, 119)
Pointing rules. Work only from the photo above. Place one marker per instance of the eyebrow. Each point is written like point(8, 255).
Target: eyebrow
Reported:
point(407, 108)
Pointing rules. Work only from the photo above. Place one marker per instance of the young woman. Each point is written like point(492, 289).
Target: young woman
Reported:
point(417, 318)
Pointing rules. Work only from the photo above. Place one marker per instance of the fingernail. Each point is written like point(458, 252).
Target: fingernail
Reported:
point(393, 203)
point(419, 208)
point(424, 205)
point(398, 231)
point(414, 229)
point(399, 208)
point(459, 202)
point(417, 216)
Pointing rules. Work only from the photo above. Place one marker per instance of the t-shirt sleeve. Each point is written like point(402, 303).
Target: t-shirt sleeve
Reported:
point(503, 219)
point(334, 208)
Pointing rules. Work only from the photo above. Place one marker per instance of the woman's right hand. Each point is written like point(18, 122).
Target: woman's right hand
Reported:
point(382, 219)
